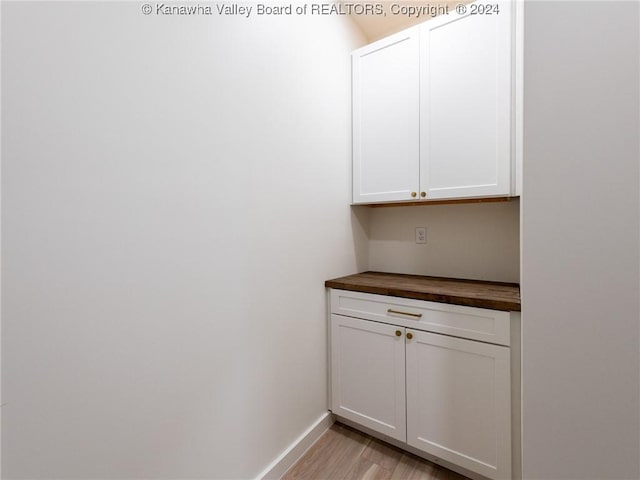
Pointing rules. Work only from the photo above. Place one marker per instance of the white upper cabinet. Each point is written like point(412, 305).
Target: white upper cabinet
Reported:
point(465, 139)
point(446, 126)
point(386, 117)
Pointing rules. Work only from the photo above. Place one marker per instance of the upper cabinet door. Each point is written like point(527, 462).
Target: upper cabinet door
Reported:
point(466, 91)
point(386, 110)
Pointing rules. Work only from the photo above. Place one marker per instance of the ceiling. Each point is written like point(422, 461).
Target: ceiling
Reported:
point(396, 15)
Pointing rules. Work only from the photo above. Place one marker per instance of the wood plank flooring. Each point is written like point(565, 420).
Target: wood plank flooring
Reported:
point(343, 453)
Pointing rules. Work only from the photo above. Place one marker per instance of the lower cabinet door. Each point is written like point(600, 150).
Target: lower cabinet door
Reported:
point(368, 374)
point(458, 402)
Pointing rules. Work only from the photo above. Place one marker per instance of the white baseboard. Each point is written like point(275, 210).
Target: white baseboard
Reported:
point(294, 452)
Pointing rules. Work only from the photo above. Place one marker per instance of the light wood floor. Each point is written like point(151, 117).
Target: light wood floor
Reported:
point(343, 453)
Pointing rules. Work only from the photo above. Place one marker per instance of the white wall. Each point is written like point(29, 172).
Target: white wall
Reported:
point(175, 192)
point(479, 241)
point(580, 276)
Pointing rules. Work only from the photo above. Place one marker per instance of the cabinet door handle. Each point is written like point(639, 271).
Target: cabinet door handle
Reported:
point(409, 335)
point(414, 194)
point(423, 194)
point(398, 333)
point(416, 315)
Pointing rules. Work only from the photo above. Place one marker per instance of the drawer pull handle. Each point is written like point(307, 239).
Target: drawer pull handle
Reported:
point(416, 315)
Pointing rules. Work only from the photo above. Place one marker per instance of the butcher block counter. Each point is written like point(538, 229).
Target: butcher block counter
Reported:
point(472, 293)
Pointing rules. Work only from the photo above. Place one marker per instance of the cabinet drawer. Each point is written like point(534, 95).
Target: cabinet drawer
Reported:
point(460, 321)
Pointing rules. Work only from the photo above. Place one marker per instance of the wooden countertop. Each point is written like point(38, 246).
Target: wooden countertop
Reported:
point(472, 293)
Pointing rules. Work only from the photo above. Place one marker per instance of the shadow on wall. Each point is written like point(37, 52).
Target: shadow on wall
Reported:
point(476, 241)
point(360, 218)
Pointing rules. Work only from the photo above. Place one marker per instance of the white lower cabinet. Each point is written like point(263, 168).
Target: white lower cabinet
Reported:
point(368, 369)
point(446, 396)
point(459, 402)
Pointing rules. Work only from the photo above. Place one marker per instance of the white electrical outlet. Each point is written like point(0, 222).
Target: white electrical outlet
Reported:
point(421, 234)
